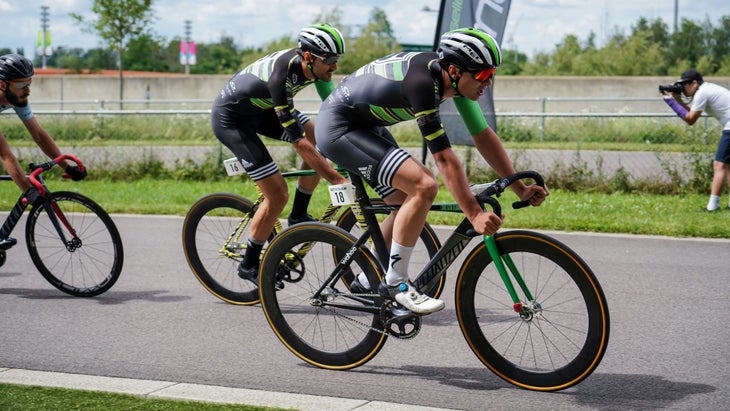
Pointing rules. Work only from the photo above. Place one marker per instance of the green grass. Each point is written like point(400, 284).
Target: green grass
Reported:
point(651, 214)
point(31, 398)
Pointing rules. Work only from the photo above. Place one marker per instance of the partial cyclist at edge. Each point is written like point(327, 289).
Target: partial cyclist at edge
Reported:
point(351, 131)
point(259, 100)
point(16, 76)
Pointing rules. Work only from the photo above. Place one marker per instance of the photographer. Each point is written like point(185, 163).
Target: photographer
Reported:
point(716, 100)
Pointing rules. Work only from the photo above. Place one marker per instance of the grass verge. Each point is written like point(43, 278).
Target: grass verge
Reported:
point(650, 214)
point(14, 397)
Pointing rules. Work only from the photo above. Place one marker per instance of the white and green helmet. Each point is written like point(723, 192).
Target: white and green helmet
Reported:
point(469, 48)
point(322, 39)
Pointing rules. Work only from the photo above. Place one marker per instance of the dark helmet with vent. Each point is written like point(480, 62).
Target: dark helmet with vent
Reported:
point(15, 66)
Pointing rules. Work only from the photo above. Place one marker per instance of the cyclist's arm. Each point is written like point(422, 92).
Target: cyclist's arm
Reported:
point(324, 88)
point(491, 149)
point(44, 140)
point(12, 166)
point(282, 98)
point(317, 162)
point(485, 139)
point(454, 177)
point(472, 115)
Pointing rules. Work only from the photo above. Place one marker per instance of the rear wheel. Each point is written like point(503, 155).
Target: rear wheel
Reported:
point(314, 315)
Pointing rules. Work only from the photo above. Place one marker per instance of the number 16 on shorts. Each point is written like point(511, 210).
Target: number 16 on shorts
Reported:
point(233, 167)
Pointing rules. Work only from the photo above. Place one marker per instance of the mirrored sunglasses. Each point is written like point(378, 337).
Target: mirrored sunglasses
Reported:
point(482, 75)
point(19, 85)
point(329, 59)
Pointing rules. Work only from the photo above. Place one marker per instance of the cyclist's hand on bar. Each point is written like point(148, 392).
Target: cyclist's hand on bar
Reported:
point(486, 223)
point(75, 173)
point(534, 193)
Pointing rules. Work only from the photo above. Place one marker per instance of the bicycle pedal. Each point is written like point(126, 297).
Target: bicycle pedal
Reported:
point(7, 243)
point(400, 313)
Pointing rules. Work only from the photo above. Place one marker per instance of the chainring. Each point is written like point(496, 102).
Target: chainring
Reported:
point(398, 321)
point(292, 269)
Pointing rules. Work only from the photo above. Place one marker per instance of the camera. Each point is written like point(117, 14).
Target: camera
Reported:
point(671, 88)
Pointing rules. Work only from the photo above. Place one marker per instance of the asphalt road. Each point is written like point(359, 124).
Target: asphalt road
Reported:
point(668, 347)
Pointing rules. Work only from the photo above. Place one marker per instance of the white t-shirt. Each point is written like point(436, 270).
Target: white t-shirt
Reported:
point(715, 100)
point(24, 113)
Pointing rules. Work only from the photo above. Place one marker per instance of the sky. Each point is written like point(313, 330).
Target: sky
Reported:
point(532, 26)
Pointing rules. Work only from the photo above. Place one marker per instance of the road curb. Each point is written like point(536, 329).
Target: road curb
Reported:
point(198, 392)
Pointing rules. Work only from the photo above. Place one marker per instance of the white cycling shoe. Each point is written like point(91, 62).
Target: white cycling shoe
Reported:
point(409, 297)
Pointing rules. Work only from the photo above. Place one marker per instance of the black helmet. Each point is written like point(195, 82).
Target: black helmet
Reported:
point(15, 66)
point(470, 48)
point(322, 39)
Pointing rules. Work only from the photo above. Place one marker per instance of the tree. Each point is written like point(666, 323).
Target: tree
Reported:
point(720, 42)
point(376, 40)
point(219, 58)
point(146, 53)
point(688, 43)
point(118, 22)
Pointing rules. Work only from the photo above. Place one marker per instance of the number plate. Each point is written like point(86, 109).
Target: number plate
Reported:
point(342, 194)
point(233, 167)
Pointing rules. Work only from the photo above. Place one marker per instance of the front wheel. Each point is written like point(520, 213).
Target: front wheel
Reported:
point(88, 260)
point(558, 338)
point(215, 232)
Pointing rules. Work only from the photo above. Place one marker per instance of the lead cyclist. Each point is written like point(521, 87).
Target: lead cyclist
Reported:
point(351, 131)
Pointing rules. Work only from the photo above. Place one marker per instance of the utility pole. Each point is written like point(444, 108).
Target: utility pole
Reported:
point(44, 27)
point(676, 14)
point(188, 31)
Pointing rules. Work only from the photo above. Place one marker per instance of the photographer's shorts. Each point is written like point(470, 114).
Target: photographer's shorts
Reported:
point(723, 149)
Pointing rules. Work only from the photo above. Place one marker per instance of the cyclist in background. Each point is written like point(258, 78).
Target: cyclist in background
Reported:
point(16, 75)
point(714, 99)
point(259, 100)
point(351, 131)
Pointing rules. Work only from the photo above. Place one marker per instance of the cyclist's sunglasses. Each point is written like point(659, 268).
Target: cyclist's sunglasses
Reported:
point(329, 59)
point(482, 75)
point(19, 85)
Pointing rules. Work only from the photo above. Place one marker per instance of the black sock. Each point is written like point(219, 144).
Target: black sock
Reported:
point(301, 203)
point(253, 251)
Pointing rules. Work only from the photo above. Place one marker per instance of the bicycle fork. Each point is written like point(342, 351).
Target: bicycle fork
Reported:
point(57, 218)
point(526, 312)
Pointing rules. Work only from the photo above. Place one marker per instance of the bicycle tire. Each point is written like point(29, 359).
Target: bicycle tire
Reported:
point(86, 268)
point(325, 336)
point(424, 250)
point(566, 341)
point(209, 223)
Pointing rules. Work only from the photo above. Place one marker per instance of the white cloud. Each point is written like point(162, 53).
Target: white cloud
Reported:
point(533, 25)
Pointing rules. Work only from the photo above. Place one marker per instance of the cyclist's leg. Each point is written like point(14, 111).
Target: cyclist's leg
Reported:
point(305, 184)
point(420, 188)
point(240, 136)
point(373, 154)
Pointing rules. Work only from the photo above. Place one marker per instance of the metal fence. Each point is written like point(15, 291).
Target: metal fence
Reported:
point(638, 164)
point(541, 108)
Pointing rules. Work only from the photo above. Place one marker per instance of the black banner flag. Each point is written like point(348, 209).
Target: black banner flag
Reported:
point(489, 16)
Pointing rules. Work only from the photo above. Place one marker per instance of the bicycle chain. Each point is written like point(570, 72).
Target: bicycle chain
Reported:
point(382, 314)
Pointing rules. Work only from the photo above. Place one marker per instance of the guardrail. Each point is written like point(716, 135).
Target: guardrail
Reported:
point(152, 107)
